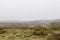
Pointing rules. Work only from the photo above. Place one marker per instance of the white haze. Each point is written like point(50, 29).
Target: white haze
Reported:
point(29, 9)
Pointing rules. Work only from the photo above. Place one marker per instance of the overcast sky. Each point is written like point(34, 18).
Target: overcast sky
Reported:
point(29, 9)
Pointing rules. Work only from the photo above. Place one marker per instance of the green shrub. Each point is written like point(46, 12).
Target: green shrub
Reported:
point(50, 38)
point(39, 32)
point(2, 31)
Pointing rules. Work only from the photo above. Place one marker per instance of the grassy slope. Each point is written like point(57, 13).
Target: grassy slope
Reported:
point(24, 34)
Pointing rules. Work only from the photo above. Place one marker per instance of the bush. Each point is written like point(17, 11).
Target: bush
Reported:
point(56, 36)
point(2, 31)
point(39, 32)
point(50, 38)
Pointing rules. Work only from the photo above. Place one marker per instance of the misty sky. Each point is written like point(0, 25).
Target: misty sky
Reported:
point(29, 9)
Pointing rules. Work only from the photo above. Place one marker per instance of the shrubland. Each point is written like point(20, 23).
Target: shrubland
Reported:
point(26, 32)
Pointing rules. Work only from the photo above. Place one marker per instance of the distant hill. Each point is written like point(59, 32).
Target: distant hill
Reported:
point(35, 22)
point(32, 22)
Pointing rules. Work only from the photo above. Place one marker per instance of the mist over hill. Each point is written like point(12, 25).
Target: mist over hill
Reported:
point(43, 23)
point(32, 22)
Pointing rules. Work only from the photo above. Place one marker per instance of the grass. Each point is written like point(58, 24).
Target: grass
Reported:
point(34, 33)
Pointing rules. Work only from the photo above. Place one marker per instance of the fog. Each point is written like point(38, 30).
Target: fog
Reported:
point(29, 9)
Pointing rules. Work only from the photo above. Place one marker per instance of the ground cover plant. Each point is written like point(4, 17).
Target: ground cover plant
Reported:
point(29, 33)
